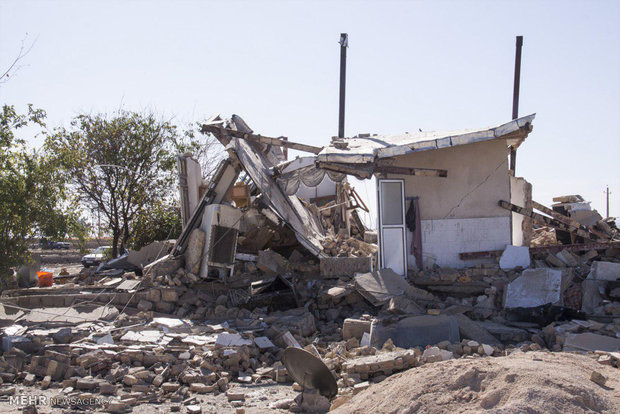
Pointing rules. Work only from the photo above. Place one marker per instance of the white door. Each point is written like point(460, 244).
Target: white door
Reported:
point(392, 235)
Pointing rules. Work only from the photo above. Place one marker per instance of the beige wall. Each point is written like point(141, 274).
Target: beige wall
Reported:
point(517, 197)
point(521, 195)
point(475, 183)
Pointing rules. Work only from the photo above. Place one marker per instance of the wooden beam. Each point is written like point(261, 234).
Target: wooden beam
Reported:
point(567, 220)
point(222, 133)
point(545, 221)
point(579, 247)
point(427, 172)
point(490, 254)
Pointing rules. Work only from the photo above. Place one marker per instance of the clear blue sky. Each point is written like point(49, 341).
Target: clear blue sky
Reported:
point(434, 65)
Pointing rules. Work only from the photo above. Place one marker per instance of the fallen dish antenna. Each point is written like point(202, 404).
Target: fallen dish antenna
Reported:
point(309, 371)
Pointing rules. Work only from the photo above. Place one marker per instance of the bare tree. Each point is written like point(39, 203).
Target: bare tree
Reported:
point(15, 66)
point(205, 148)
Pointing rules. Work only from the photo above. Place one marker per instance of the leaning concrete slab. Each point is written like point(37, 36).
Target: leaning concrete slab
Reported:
point(591, 342)
point(591, 290)
point(380, 286)
point(416, 331)
point(505, 333)
point(471, 330)
point(147, 254)
point(535, 287)
point(608, 271)
point(68, 316)
point(193, 253)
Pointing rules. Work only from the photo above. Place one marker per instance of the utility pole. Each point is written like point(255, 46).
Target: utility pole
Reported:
point(515, 99)
point(607, 192)
point(344, 43)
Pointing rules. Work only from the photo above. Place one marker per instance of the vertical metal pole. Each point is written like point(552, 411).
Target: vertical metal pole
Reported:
point(344, 43)
point(607, 202)
point(515, 98)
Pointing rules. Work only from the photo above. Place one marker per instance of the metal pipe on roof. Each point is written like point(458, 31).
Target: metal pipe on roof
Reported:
point(515, 98)
point(517, 82)
point(344, 43)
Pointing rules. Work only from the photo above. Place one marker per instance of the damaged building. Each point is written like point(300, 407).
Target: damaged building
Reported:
point(275, 296)
point(438, 192)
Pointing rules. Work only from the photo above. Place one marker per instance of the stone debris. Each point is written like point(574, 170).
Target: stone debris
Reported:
point(515, 257)
point(170, 336)
point(598, 378)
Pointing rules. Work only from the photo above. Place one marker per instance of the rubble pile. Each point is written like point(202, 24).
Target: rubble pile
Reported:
point(179, 340)
point(543, 236)
point(579, 210)
point(213, 312)
point(343, 246)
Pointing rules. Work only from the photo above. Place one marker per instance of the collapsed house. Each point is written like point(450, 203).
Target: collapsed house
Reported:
point(295, 194)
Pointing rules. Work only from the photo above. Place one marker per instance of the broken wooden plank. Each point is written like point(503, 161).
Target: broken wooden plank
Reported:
point(219, 130)
point(427, 172)
point(567, 220)
point(579, 247)
point(365, 171)
point(489, 254)
point(545, 221)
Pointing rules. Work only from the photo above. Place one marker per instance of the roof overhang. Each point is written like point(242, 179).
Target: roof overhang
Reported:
point(369, 149)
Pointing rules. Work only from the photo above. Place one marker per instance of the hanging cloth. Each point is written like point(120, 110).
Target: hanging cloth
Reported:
point(412, 220)
point(311, 176)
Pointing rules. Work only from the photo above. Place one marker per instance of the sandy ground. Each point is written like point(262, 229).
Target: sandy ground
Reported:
point(533, 382)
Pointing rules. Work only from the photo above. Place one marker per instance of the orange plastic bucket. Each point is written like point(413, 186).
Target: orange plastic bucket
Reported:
point(46, 279)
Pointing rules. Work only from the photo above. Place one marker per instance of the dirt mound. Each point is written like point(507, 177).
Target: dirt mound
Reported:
point(536, 382)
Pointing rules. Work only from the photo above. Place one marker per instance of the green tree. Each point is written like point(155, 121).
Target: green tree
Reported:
point(159, 222)
point(123, 166)
point(31, 190)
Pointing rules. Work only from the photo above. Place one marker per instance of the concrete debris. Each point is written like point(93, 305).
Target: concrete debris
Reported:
point(591, 342)
point(295, 273)
point(533, 288)
point(380, 286)
point(473, 330)
point(598, 378)
point(607, 271)
point(515, 256)
point(434, 354)
point(355, 328)
point(416, 331)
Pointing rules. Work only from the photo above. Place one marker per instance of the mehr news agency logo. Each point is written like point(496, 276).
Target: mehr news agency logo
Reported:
point(58, 401)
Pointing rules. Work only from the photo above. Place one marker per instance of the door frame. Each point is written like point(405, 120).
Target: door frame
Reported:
point(381, 226)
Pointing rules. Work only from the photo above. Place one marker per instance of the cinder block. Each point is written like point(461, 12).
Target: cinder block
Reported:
point(355, 328)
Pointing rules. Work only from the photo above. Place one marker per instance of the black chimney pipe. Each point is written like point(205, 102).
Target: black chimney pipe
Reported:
point(515, 98)
point(344, 43)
